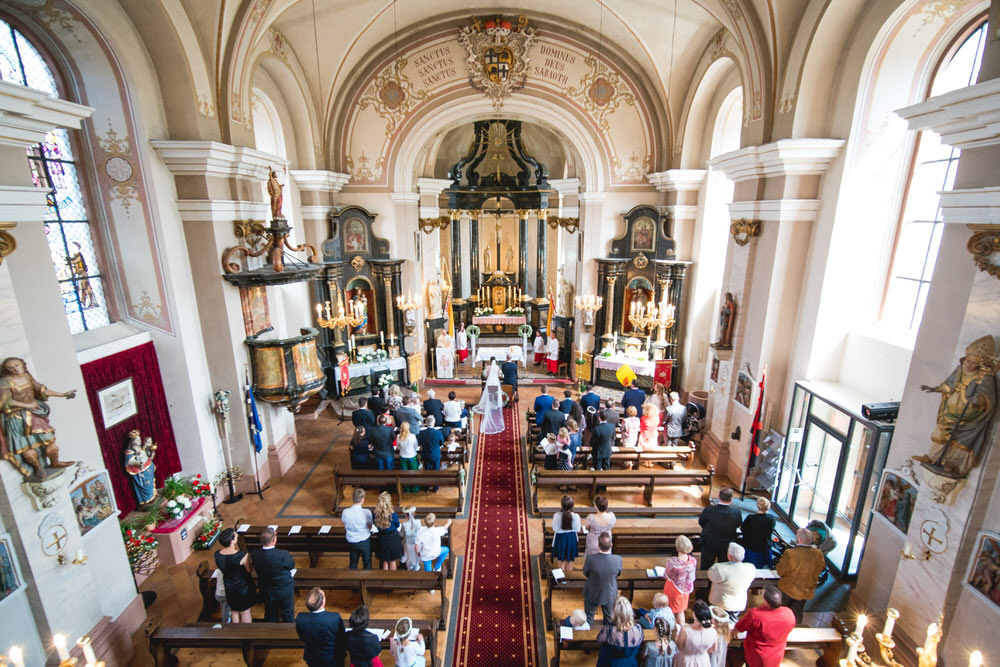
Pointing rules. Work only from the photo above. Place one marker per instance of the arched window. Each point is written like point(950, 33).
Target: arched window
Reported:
point(933, 170)
point(67, 223)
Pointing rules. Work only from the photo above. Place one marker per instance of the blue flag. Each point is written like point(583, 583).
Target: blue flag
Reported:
point(254, 420)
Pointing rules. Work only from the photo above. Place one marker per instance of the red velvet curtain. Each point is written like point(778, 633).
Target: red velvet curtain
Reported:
point(152, 419)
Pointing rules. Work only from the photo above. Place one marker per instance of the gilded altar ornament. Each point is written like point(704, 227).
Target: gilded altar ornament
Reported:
point(27, 439)
point(251, 231)
point(743, 230)
point(968, 401)
point(7, 242)
point(428, 225)
point(497, 56)
point(358, 262)
point(984, 244)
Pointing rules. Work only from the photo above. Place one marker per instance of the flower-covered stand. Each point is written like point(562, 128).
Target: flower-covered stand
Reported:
point(175, 537)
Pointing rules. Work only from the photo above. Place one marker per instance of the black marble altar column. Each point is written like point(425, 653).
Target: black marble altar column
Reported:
point(474, 252)
point(522, 250)
point(456, 258)
point(540, 270)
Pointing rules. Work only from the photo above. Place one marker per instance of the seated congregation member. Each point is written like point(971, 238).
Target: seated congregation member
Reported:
point(430, 441)
point(407, 645)
point(321, 631)
point(660, 652)
point(409, 413)
point(566, 528)
point(361, 450)
point(767, 628)
point(719, 523)
point(553, 420)
point(633, 397)
point(390, 544)
point(697, 639)
point(799, 569)
point(756, 530)
point(434, 407)
point(601, 587)
point(731, 581)
point(661, 608)
point(649, 424)
point(429, 547)
point(630, 427)
point(680, 572)
point(382, 439)
point(357, 529)
point(543, 403)
point(576, 620)
point(601, 440)
point(274, 576)
point(363, 416)
point(241, 593)
point(363, 646)
point(407, 451)
point(620, 638)
point(453, 411)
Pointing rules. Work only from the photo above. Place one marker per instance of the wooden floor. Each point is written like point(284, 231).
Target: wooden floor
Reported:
point(304, 496)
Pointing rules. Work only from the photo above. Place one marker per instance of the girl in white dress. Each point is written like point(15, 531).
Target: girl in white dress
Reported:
point(696, 640)
point(407, 645)
point(410, 529)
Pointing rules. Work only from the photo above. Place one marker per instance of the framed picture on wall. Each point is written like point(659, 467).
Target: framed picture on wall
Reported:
point(10, 577)
point(744, 390)
point(896, 499)
point(643, 235)
point(117, 402)
point(985, 565)
point(92, 501)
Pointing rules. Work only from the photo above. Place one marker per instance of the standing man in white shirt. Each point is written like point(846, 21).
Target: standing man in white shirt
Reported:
point(428, 545)
point(358, 530)
point(452, 411)
point(731, 581)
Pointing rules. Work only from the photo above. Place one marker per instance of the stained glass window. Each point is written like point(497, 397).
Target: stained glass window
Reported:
point(934, 170)
point(67, 225)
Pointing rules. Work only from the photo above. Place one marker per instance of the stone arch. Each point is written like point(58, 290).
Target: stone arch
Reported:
point(696, 123)
point(286, 75)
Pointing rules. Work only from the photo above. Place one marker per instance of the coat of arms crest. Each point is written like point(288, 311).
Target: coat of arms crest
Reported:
point(498, 56)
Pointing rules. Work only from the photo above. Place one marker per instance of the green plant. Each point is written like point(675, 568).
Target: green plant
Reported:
point(174, 486)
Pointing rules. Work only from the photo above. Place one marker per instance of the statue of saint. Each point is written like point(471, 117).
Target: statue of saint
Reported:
point(435, 298)
point(968, 401)
point(727, 323)
point(140, 468)
point(564, 305)
point(24, 421)
point(487, 261)
point(274, 192)
point(510, 260)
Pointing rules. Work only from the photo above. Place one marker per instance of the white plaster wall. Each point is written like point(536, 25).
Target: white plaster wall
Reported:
point(874, 366)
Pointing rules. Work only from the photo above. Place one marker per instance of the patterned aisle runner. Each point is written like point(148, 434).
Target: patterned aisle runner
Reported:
point(496, 614)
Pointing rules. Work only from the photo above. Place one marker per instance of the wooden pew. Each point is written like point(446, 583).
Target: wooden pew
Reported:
point(648, 479)
point(451, 477)
point(310, 541)
point(828, 640)
point(632, 580)
point(628, 456)
point(255, 639)
point(631, 541)
point(341, 579)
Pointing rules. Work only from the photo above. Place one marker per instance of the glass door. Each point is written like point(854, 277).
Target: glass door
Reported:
point(821, 451)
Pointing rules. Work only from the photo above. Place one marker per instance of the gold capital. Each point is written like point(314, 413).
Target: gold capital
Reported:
point(8, 243)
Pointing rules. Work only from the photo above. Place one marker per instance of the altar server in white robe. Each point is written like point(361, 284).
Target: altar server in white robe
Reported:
point(462, 344)
point(552, 358)
point(539, 348)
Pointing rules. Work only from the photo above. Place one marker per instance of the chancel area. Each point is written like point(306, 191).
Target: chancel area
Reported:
point(555, 333)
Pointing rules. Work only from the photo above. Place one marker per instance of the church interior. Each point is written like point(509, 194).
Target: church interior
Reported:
point(236, 233)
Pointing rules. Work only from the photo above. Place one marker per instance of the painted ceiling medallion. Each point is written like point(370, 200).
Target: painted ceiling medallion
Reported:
point(498, 56)
point(118, 169)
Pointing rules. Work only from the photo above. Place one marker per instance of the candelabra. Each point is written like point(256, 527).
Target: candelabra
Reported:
point(342, 319)
point(664, 321)
point(16, 655)
point(641, 318)
point(409, 308)
point(589, 304)
point(926, 654)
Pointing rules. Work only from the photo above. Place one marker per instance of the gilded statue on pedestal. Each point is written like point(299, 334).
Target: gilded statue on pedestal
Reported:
point(25, 433)
point(274, 192)
point(968, 401)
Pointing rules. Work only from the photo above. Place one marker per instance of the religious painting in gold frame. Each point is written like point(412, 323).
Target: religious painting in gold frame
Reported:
point(643, 235)
point(985, 563)
point(355, 237)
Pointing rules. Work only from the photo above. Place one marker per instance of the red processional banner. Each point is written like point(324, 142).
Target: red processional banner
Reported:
point(345, 374)
point(661, 374)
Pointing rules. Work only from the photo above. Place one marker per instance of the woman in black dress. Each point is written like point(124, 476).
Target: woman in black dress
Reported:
point(390, 544)
point(234, 564)
point(363, 646)
point(360, 447)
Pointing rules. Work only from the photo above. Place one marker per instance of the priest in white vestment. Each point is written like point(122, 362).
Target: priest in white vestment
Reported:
point(552, 358)
point(445, 356)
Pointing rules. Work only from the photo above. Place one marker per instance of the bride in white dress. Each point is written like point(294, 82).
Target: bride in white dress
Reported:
point(490, 404)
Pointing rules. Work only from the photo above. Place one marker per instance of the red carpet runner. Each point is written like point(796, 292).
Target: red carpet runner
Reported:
point(496, 614)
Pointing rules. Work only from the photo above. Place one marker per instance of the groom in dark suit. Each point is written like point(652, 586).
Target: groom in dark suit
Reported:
point(508, 370)
point(321, 631)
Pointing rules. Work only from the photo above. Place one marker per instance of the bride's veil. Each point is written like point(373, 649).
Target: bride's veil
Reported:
point(490, 404)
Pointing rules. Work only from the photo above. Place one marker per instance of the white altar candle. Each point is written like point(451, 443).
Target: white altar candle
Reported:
point(860, 627)
point(890, 622)
point(88, 650)
point(59, 641)
point(852, 651)
point(381, 337)
point(976, 659)
point(16, 656)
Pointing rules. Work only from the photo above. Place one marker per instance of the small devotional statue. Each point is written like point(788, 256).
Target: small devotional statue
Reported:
point(564, 304)
point(968, 401)
point(435, 298)
point(359, 309)
point(140, 467)
point(274, 192)
point(26, 436)
point(488, 261)
point(727, 323)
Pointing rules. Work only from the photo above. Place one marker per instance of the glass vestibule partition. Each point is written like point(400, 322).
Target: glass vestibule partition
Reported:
point(830, 467)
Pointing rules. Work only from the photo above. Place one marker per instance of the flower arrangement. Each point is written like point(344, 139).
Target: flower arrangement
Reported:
point(377, 355)
point(200, 488)
point(384, 380)
point(514, 310)
point(209, 531)
point(140, 547)
point(473, 331)
point(525, 329)
point(480, 311)
point(177, 507)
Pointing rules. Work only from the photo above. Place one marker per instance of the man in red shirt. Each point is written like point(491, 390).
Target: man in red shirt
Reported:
point(767, 628)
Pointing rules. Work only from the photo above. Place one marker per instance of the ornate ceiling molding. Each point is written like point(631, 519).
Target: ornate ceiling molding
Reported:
point(965, 118)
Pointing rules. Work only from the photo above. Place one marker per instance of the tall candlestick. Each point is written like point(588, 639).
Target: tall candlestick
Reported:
point(890, 621)
point(852, 651)
point(59, 641)
point(16, 656)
